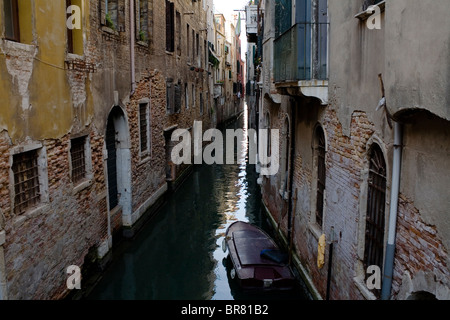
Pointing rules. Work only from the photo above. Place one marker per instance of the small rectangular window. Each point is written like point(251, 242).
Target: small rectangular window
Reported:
point(178, 26)
point(74, 36)
point(170, 26)
point(78, 156)
point(201, 103)
point(11, 17)
point(69, 30)
point(188, 52)
point(112, 14)
point(142, 24)
point(26, 181)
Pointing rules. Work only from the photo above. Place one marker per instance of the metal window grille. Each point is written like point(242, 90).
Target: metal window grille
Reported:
point(376, 199)
point(26, 181)
point(321, 175)
point(143, 125)
point(78, 156)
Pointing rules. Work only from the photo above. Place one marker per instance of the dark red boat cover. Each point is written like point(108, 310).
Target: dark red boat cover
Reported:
point(249, 244)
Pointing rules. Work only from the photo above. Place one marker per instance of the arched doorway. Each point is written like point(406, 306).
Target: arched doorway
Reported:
point(118, 163)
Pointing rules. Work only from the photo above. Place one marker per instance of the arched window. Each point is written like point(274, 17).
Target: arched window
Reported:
point(321, 173)
point(376, 202)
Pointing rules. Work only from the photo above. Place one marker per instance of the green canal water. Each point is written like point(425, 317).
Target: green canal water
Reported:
point(177, 255)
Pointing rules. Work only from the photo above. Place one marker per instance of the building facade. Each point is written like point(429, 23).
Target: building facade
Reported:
point(228, 75)
point(90, 99)
point(362, 109)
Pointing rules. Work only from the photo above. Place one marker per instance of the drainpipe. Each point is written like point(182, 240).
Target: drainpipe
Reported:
point(395, 190)
point(132, 36)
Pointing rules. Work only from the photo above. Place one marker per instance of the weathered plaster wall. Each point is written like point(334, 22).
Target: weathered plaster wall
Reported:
point(418, 56)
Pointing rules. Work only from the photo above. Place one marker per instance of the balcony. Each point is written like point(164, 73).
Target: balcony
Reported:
point(252, 23)
point(301, 60)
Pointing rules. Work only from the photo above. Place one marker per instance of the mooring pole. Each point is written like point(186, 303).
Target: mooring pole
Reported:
point(330, 260)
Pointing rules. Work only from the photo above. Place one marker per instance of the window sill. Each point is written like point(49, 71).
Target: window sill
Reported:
point(145, 157)
point(73, 56)
point(367, 13)
point(363, 289)
point(81, 186)
point(142, 43)
point(315, 229)
point(109, 30)
point(10, 46)
point(31, 213)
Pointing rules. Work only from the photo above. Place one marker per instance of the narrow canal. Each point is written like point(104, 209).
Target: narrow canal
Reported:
point(178, 254)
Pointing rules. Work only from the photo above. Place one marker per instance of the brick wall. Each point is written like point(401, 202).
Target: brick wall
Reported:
point(40, 245)
point(419, 245)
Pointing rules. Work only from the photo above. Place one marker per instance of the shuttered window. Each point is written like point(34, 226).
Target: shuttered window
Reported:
point(173, 96)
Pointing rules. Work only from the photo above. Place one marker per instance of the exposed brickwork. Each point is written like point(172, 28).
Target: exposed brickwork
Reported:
point(418, 246)
point(74, 220)
point(148, 171)
point(41, 245)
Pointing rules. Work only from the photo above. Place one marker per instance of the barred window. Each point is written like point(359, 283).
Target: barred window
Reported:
point(144, 126)
point(78, 156)
point(26, 181)
point(376, 200)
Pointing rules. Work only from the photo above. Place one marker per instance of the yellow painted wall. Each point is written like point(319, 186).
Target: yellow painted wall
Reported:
point(51, 114)
point(25, 21)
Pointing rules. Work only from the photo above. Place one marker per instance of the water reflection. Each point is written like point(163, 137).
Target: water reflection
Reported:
point(178, 255)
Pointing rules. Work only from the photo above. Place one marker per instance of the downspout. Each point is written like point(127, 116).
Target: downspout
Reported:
point(132, 36)
point(395, 190)
point(291, 168)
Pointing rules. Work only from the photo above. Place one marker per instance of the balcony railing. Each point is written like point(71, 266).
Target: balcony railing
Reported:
point(301, 53)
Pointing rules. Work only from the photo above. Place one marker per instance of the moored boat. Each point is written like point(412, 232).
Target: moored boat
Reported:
point(258, 263)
